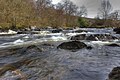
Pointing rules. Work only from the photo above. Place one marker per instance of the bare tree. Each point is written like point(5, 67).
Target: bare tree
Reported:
point(59, 6)
point(115, 15)
point(105, 9)
point(82, 11)
point(69, 7)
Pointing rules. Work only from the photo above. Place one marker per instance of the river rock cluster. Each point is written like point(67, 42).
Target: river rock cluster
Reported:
point(84, 56)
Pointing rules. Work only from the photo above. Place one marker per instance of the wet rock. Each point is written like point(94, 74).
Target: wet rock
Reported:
point(117, 30)
point(57, 31)
point(91, 38)
point(78, 37)
point(47, 44)
point(110, 37)
point(11, 78)
point(14, 75)
point(14, 66)
point(23, 32)
point(84, 37)
point(36, 47)
point(94, 37)
point(12, 51)
point(19, 50)
point(113, 45)
point(72, 45)
point(89, 47)
point(114, 74)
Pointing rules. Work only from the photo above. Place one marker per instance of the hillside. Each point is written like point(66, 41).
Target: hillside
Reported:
point(103, 23)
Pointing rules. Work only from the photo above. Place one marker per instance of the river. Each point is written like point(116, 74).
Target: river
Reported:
point(23, 58)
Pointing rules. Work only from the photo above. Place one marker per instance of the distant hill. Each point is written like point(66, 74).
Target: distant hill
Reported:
point(103, 23)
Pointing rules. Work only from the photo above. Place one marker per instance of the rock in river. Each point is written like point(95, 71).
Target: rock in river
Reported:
point(114, 45)
point(94, 37)
point(114, 74)
point(78, 37)
point(117, 30)
point(73, 45)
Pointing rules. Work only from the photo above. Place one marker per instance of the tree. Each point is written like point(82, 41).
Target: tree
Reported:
point(69, 9)
point(44, 10)
point(115, 15)
point(41, 13)
point(105, 9)
point(41, 5)
point(82, 11)
point(83, 22)
point(16, 12)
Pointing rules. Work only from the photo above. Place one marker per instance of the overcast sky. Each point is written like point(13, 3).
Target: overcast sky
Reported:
point(93, 5)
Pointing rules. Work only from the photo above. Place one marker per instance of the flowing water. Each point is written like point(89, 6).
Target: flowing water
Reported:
point(25, 57)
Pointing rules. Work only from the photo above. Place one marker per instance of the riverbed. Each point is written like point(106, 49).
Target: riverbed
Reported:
point(35, 59)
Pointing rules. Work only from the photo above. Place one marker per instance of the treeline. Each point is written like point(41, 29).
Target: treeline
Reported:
point(41, 13)
point(107, 16)
point(18, 14)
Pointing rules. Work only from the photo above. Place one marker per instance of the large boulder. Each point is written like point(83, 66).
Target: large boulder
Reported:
point(114, 74)
point(73, 46)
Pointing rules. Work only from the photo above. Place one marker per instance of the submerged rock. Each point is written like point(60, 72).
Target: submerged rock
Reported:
point(113, 45)
point(13, 66)
point(19, 50)
point(14, 75)
point(114, 74)
point(73, 45)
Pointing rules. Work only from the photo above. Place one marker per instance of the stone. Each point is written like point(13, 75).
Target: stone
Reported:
point(94, 37)
point(78, 37)
point(91, 38)
point(114, 74)
point(57, 31)
point(14, 66)
point(113, 45)
point(14, 75)
point(72, 45)
point(117, 30)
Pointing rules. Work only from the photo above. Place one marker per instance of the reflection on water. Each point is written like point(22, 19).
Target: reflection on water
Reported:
point(43, 61)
